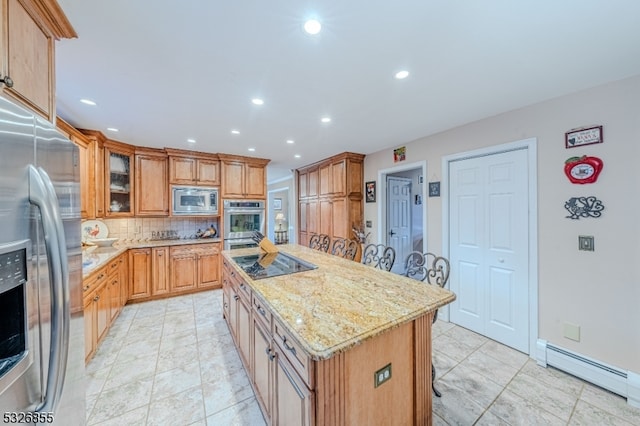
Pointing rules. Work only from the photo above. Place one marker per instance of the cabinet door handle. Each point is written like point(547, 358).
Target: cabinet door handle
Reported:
point(269, 354)
point(236, 297)
point(95, 299)
point(7, 81)
point(286, 345)
point(86, 287)
point(262, 311)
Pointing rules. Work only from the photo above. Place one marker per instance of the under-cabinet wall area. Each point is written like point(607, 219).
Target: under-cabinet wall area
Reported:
point(140, 229)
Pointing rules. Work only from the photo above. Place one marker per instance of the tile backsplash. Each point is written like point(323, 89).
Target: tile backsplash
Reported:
point(140, 229)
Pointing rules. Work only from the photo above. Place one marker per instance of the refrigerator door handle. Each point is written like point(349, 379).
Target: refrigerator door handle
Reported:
point(42, 195)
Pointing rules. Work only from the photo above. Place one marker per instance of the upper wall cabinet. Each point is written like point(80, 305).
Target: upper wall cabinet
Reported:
point(152, 191)
point(193, 168)
point(119, 182)
point(243, 177)
point(30, 29)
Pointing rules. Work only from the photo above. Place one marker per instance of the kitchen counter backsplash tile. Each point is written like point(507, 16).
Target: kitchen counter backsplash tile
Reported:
point(145, 229)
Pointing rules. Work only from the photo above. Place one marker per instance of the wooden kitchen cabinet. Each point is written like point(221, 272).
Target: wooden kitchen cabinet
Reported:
point(139, 273)
point(152, 190)
point(160, 283)
point(29, 31)
point(195, 266)
point(91, 168)
point(293, 401)
point(184, 268)
point(193, 168)
point(243, 177)
point(115, 289)
point(337, 204)
point(92, 290)
point(262, 365)
point(119, 179)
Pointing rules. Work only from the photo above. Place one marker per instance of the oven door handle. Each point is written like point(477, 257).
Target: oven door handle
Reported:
point(42, 194)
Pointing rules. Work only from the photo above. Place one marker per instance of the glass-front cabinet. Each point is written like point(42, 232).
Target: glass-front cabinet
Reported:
point(119, 179)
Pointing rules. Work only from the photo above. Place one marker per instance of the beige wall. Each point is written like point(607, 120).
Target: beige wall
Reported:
point(599, 291)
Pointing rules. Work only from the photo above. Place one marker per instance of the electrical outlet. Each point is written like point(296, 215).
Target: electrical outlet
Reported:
point(572, 331)
point(369, 224)
point(382, 375)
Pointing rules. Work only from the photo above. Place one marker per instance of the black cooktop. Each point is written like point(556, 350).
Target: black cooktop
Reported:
point(267, 265)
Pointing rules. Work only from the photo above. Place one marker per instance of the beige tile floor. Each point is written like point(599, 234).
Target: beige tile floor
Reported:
point(172, 362)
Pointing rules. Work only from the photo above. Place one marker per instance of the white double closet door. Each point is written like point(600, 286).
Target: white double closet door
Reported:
point(488, 231)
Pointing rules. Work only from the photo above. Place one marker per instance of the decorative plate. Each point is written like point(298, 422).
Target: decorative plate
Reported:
point(92, 229)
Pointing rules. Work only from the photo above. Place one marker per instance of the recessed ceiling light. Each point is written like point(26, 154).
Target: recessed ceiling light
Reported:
point(402, 74)
point(235, 132)
point(88, 102)
point(297, 156)
point(326, 119)
point(257, 101)
point(312, 26)
point(112, 129)
point(191, 140)
point(290, 142)
point(252, 149)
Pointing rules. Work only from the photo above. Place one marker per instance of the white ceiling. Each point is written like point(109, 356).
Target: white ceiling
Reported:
point(165, 71)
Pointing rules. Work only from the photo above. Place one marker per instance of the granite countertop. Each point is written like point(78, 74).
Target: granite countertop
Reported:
point(341, 303)
point(94, 257)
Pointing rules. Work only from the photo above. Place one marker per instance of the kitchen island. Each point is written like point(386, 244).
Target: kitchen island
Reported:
point(341, 344)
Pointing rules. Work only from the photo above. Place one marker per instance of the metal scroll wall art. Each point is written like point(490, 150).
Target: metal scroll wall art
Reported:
point(583, 207)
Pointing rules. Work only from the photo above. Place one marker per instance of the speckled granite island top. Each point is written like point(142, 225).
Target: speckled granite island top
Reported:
point(341, 303)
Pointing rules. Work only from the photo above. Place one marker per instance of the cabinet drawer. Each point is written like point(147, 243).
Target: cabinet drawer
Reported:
point(94, 281)
point(294, 353)
point(262, 313)
point(243, 290)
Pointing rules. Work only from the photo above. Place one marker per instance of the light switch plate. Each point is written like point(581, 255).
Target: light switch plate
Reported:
point(585, 243)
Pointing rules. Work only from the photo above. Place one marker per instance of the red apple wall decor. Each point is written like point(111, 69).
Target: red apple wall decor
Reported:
point(583, 169)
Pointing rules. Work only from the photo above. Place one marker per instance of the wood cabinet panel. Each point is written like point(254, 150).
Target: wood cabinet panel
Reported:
point(255, 180)
point(119, 179)
point(293, 400)
point(208, 172)
point(103, 305)
point(313, 182)
point(262, 366)
point(233, 179)
point(152, 191)
point(90, 331)
point(326, 213)
point(182, 170)
point(242, 177)
point(303, 184)
point(209, 269)
point(326, 179)
point(184, 271)
point(139, 273)
point(87, 180)
point(339, 197)
point(244, 330)
point(160, 271)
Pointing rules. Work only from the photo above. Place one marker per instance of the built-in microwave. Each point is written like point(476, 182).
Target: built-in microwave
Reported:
point(194, 201)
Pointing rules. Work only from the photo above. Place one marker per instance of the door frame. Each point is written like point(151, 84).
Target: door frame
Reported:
point(382, 204)
point(531, 146)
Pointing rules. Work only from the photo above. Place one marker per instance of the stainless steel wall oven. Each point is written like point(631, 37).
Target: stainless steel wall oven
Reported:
point(241, 218)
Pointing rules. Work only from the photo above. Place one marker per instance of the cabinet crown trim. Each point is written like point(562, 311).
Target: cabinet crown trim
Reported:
point(345, 155)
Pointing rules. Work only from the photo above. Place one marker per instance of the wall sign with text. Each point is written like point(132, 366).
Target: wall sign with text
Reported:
point(583, 136)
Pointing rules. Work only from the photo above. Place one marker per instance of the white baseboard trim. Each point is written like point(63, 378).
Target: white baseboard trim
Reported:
point(624, 383)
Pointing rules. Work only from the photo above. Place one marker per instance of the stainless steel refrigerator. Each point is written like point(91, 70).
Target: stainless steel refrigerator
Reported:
point(41, 322)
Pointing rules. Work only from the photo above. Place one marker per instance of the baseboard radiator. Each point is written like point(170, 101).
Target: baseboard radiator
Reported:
point(621, 382)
